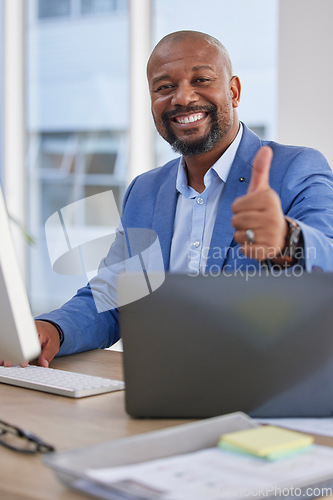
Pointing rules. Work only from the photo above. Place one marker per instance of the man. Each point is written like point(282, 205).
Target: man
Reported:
point(223, 205)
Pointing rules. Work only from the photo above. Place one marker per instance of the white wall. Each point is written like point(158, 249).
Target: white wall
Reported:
point(305, 102)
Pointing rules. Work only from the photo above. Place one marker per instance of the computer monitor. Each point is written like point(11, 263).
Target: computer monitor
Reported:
point(18, 336)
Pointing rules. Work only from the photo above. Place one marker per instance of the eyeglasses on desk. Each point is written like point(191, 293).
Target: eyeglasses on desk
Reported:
point(23, 441)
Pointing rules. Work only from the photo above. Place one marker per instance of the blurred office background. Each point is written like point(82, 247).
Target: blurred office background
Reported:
point(87, 124)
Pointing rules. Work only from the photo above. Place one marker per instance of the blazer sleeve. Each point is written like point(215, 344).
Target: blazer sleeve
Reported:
point(307, 197)
point(89, 320)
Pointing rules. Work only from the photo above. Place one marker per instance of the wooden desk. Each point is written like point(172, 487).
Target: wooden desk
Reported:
point(65, 423)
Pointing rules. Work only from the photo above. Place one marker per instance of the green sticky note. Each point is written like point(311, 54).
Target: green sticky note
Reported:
point(266, 441)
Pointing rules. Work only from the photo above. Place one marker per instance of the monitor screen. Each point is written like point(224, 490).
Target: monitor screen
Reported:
point(18, 336)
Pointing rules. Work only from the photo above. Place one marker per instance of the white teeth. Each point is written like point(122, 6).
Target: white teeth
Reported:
point(190, 118)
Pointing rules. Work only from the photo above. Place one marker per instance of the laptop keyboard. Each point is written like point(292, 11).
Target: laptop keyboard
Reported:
point(61, 382)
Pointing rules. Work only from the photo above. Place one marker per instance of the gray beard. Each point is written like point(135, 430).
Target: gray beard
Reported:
point(219, 128)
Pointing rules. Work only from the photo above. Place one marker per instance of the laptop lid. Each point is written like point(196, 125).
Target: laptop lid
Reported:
point(18, 337)
point(205, 346)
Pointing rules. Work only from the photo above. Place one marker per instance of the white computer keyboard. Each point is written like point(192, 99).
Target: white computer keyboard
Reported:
point(64, 383)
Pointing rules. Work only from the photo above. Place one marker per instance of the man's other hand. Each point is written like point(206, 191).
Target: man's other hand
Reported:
point(260, 211)
point(49, 341)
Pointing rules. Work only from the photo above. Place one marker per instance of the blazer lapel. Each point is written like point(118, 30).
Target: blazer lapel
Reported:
point(164, 214)
point(236, 185)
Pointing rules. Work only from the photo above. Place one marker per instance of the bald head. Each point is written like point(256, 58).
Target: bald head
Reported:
point(195, 36)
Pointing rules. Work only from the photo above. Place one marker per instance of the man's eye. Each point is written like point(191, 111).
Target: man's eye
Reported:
point(167, 86)
point(203, 80)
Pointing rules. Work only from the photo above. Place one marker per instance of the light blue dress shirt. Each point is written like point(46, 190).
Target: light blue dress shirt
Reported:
point(196, 213)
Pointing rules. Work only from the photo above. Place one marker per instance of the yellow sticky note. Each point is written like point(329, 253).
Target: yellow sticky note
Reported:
point(266, 440)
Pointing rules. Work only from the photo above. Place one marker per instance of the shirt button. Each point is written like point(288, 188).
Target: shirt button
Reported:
point(200, 201)
point(196, 244)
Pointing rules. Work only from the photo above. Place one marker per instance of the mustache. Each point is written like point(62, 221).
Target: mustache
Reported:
point(188, 109)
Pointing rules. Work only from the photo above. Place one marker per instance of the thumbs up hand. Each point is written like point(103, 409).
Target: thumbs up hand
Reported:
point(260, 170)
point(260, 211)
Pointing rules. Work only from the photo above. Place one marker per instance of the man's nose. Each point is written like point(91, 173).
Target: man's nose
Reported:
point(183, 95)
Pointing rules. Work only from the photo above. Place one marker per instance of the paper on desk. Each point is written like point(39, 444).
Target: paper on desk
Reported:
point(216, 474)
point(323, 426)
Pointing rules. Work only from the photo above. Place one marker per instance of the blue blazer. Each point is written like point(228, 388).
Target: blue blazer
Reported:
point(301, 177)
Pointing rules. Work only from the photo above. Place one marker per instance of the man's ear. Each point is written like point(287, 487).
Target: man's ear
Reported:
point(235, 90)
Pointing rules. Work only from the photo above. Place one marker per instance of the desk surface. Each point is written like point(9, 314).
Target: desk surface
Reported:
point(67, 423)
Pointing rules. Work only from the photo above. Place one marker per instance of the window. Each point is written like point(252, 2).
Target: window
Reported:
point(100, 6)
point(75, 165)
point(64, 168)
point(51, 8)
point(57, 9)
point(77, 120)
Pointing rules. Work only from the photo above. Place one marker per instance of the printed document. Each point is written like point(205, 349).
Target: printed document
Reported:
point(216, 474)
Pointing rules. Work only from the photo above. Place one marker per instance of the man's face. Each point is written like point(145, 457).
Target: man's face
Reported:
point(192, 98)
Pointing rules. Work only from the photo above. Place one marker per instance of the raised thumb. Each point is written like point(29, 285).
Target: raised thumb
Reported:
point(260, 170)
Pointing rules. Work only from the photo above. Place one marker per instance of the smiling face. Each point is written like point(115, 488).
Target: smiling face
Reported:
point(193, 95)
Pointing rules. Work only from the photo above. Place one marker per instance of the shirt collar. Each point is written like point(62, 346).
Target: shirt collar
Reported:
point(222, 166)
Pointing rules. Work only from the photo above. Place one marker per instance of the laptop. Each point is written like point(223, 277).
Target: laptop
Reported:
point(18, 337)
point(206, 346)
